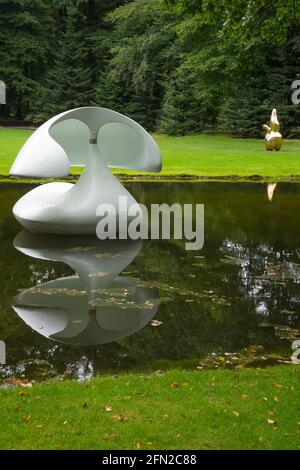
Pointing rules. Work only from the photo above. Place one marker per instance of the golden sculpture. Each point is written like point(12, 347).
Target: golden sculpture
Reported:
point(273, 137)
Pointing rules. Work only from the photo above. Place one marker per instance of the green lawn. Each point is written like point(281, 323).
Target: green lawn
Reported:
point(246, 409)
point(198, 155)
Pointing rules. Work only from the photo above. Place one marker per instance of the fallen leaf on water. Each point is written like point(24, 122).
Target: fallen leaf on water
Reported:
point(156, 323)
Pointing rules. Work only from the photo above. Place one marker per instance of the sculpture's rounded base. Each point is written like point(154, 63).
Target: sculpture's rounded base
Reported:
point(53, 208)
point(33, 211)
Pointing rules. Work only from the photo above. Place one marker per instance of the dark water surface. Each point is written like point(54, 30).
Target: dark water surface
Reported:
point(76, 306)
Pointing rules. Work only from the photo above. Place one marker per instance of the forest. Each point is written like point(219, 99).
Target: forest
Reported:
point(176, 66)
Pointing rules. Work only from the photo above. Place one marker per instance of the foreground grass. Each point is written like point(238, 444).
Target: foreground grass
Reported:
point(198, 155)
point(246, 409)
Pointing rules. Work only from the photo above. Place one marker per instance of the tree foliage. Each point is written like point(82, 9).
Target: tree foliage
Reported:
point(176, 66)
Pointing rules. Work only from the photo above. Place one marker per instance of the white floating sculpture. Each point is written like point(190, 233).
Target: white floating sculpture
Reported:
point(94, 306)
point(97, 138)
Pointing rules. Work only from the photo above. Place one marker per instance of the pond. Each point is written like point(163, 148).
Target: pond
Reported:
point(75, 306)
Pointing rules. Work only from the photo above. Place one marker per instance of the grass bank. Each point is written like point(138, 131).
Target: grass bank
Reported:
point(212, 157)
point(245, 409)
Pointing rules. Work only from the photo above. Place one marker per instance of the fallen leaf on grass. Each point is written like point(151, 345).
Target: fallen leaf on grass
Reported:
point(19, 383)
point(271, 422)
point(112, 437)
point(26, 385)
point(26, 419)
point(14, 381)
point(22, 392)
point(236, 414)
point(119, 418)
point(174, 385)
point(138, 445)
point(108, 409)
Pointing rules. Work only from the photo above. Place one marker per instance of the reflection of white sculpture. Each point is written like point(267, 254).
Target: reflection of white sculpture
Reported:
point(95, 137)
point(96, 306)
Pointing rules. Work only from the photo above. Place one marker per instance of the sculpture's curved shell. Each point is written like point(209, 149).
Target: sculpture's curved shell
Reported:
point(41, 157)
point(64, 140)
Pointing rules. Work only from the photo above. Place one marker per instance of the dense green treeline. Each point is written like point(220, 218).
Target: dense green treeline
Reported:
point(176, 66)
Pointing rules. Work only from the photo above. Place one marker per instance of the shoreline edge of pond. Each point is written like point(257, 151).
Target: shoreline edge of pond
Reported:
point(184, 178)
